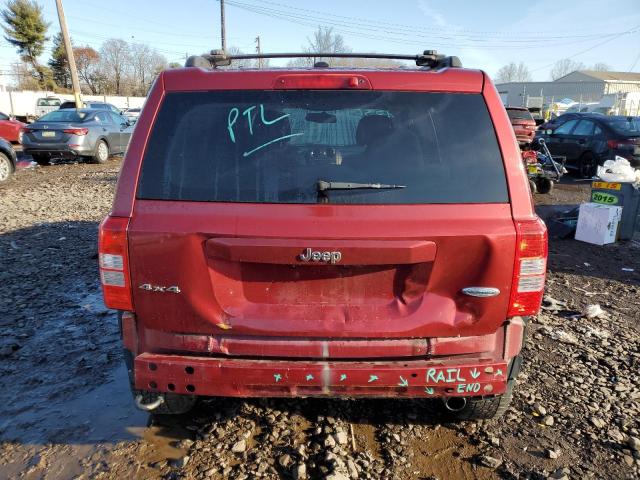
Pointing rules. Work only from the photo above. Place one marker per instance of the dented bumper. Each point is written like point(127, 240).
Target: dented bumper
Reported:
point(275, 378)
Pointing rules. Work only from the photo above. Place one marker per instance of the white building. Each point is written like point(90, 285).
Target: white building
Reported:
point(583, 86)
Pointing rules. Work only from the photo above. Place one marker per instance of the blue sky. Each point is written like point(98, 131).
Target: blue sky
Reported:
point(484, 34)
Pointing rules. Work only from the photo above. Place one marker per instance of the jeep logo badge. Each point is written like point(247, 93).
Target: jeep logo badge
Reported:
point(309, 255)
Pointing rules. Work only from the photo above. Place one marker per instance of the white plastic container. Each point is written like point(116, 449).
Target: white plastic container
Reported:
point(598, 224)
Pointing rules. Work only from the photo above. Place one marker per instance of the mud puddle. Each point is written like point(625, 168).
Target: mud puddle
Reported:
point(58, 439)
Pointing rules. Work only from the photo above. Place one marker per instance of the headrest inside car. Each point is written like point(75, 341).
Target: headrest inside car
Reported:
point(372, 128)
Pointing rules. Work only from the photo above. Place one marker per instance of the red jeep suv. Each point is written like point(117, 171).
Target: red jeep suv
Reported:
point(323, 232)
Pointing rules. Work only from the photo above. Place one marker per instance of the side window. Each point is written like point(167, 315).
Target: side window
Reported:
point(114, 110)
point(566, 128)
point(584, 129)
point(117, 119)
point(597, 131)
point(103, 118)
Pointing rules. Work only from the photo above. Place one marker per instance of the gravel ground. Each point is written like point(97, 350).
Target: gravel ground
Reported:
point(67, 412)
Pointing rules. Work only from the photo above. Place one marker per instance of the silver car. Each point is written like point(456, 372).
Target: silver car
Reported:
point(84, 133)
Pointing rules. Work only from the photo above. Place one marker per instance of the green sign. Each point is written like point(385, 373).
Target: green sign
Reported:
point(604, 198)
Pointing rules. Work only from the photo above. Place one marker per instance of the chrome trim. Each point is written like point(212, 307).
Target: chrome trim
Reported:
point(481, 292)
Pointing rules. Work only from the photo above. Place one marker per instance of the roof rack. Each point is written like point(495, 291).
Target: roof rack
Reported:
point(217, 58)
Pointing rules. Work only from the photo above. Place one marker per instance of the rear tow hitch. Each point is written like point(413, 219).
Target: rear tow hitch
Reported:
point(147, 407)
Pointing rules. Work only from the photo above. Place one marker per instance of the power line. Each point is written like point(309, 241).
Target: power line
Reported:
point(631, 30)
point(447, 33)
point(345, 27)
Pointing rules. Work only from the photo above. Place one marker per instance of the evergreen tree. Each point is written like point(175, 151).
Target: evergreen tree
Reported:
point(25, 28)
point(58, 63)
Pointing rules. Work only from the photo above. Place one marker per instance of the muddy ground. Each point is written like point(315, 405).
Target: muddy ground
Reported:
point(66, 411)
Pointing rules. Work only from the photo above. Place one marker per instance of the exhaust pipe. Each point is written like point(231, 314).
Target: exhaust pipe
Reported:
point(147, 407)
point(455, 404)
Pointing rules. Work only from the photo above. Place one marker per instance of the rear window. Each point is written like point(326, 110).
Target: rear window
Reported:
point(519, 114)
point(48, 102)
point(63, 116)
point(276, 146)
point(625, 126)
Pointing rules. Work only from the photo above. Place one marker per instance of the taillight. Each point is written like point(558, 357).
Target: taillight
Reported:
point(26, 130)
point(530, 268)
point(613, 144)
point(114, 263)
point(76, 131)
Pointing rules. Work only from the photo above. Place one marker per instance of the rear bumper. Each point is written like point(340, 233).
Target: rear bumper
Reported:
point(263, 367)
point(57, 150)
point(277, 378)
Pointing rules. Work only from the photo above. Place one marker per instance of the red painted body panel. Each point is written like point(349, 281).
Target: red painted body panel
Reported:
point(276, 378)
point(10, 130)
point(475, 246)
point(244, 292)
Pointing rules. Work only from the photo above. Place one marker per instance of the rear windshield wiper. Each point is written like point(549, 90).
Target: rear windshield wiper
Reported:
point(323, 186)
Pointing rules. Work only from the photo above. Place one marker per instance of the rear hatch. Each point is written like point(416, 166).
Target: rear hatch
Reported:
point(321, 213)
point(55, 127)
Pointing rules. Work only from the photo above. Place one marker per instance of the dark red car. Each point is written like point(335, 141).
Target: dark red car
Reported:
point(523, 124)
point(323, 232)
point(10, 128)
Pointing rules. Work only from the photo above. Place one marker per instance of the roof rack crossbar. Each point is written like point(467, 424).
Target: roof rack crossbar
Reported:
point(429, 58)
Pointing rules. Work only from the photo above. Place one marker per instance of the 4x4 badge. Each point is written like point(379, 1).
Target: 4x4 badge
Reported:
point(157, 288)
point(309, 255)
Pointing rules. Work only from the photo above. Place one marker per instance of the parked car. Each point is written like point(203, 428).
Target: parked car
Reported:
point(10, 128)
point(45, 105)
point(287, 232)
point(523, 124)
point(590, 139)
point(84, 133)
point(132, 114)
point(7, 160)
point(92, 105)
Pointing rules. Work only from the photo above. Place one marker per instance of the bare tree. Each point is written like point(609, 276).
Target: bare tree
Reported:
point(115, 61)
point(513, 73)
point(323, 41)
point(87, 63)
point(564, 67)
point(146, 63)
point(600, 67)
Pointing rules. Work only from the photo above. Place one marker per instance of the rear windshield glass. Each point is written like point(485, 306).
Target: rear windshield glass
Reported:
point(279, 146)
point(519, 114)
point(625, 126)
point(48, 102)
point(63, 116)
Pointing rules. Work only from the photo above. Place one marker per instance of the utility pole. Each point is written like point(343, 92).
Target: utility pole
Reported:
point(222, 32)
point(67, 47)
point(258, 51)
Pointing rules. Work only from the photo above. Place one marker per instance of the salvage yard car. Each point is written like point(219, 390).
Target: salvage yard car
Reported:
point(7, 160)
point(590, 139)
point(523, 124)
point(83, 133)
point(323, 232)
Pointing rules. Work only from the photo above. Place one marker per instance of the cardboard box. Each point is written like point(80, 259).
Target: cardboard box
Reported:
point(598, 224)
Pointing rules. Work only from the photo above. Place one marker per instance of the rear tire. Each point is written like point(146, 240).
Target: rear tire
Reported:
point(533, 186)
point(587, 165)
point(544, 185)
point(6, 168)
point(483, 408)
point(102, 152)
point(43, 160)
